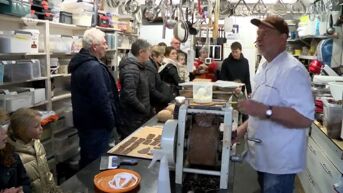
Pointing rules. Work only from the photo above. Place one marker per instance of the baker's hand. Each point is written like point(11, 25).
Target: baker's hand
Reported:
point(253, 108)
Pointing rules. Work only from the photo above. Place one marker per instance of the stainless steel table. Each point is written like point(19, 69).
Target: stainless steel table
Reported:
point(82, 182)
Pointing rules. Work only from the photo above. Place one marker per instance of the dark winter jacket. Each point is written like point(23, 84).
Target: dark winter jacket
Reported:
point(94, 93)
point(233, 69)
point(169, 74)
point(14, 176)
point(160, 92)
point(134, 94)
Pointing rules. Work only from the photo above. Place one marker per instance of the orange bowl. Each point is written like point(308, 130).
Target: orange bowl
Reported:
point(102, 180)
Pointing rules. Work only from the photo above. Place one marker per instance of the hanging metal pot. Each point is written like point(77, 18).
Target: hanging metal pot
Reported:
point(181, 31)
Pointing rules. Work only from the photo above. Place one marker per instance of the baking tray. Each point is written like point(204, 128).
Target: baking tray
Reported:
point(146, 139)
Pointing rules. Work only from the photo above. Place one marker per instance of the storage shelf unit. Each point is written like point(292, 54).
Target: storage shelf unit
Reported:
point(59, 84)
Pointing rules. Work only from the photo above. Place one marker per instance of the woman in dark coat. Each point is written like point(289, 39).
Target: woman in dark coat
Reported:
point(169, 70)
point(160, 92)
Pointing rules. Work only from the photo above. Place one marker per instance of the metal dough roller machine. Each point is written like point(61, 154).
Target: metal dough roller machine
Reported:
point(199, 141)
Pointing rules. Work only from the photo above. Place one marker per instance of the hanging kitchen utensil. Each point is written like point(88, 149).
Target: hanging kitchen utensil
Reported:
point(322, 11)
point(243, 9)
point(226, 8)
point(298, 7)
point(259, 8)
point(109, 3)
point(331, 29)
point(121, 8)
point(115, 3)
point(132, 6)
point(170, 19)
point(215, 29)
point(138, 17)
point(151, 12)
point(181, 31)
point(280, 8)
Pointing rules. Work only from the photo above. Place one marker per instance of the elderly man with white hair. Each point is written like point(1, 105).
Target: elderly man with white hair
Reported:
point(94, 96)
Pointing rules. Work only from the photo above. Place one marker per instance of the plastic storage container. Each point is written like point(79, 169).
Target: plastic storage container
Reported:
point(68, 42)
point(15, 42)
point(21, 70)
point(56, 44)
point(332, 120)
point(66, 139)
point(202, 92)
point(83, 19)
point(11, 101)
point(34, 47)
point(39, 95)
point(68, 143)
point(15, 7)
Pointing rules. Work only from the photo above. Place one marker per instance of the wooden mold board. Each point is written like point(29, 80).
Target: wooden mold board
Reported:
point(140, 136)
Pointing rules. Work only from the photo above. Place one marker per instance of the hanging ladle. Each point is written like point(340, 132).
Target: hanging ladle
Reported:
point(331, 29)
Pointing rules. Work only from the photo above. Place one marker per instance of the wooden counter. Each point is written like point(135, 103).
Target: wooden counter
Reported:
point(339, 143)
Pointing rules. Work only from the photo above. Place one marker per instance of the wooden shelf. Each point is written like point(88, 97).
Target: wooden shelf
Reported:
point(61, 97)
point(60, 75)
point(107, 29)
point(20, 20)
point(62, 54)
point(310, 37)
point(22, 54)
point(40, 103)
point(67, 26)
point(123, 48)
point(127, 34)
point(24, 81)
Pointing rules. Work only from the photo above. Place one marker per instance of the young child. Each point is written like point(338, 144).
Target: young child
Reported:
point(183, 72)
point(25, 131)
point(13, 177)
